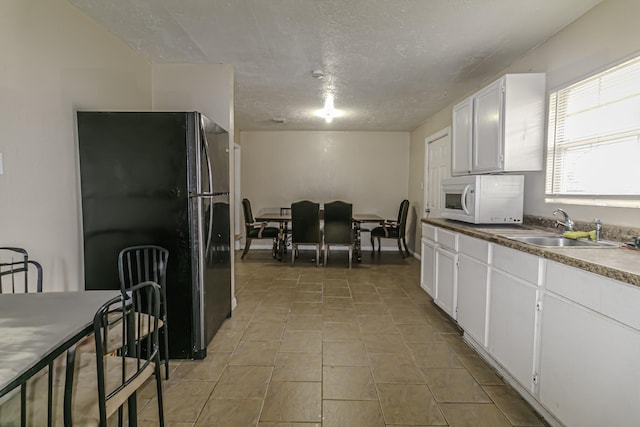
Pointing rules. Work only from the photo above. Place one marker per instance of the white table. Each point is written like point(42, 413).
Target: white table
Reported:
point(36, 328)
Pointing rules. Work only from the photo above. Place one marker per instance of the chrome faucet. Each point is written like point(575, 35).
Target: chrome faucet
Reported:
point(598, 229)
point(568, 222)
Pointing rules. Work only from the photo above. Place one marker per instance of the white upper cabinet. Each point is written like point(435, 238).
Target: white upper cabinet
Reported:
point(462, 132)
point(501, 127)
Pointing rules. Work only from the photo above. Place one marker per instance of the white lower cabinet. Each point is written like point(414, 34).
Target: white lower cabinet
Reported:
point(589, 363)
point(446, 280)
point(512, 325)
point(568, 340)
point(473, 275)
point(427, 266)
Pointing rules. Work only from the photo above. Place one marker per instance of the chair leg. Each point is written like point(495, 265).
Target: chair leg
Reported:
point(400, 248)
point(350, 255)
point(373, 246)
point(326, 254)
point(294, 249)
point(317, 255)
point(246, 248)
point(166, 349)
point(159, 393)
point(274, 248)
point(379, 245)
point(406, 249)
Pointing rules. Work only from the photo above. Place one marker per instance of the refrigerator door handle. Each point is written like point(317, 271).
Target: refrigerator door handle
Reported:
point(205, 146)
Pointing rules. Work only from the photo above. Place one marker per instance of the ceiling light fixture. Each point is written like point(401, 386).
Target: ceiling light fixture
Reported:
point(329, 111)
point(317, 74)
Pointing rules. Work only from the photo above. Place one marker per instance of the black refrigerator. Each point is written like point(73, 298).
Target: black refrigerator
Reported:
point(160, 178)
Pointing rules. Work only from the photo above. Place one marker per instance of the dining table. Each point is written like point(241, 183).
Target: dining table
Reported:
point(36, 328)
point(283, 217)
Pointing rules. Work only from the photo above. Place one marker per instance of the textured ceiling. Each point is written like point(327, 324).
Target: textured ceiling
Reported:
point(390, 64)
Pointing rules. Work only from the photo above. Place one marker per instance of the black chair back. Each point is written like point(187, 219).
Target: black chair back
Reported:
point(338, 223)
point(248, 215)
point(139, 346)
point(403, 212)
point(15, 270)
point(305, 222)
point(138, 264)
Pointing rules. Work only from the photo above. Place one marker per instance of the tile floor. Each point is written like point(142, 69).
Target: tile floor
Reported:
point(311, 346)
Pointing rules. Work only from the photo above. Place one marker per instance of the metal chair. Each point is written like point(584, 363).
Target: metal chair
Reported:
point(15, 269)
point(257, 230)
point(338, 228)
point(98, 385)
point(390, 229)
point(15, 266)
point(137, 264)
point(305, 227)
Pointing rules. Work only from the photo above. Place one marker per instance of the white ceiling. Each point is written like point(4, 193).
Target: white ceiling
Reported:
point(389, 63)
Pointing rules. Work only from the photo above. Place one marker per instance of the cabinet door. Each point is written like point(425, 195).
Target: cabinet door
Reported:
point(512, 325)
point(461, 134)
point(427, 266)
point(589, 366)
point(472, 297)
point(487, 128)
point(446, 279)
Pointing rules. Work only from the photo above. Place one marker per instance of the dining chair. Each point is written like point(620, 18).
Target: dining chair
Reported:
point(257, 230)
point(393, 229)
point(15, 270)
point(98, 385)
point(305, 227)
point(338, 227)
point(137, 264)
point(17, 276)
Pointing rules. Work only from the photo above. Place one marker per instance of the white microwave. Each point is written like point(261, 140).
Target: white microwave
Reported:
point(483, 199)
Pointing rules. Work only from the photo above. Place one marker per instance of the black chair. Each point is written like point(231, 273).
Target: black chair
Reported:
point(15, 269)
point(97, 385)
point(305, 227)
point(390, 229)
point(257, 230)
point(338, 228)
point(17, 276)
point(137, 264)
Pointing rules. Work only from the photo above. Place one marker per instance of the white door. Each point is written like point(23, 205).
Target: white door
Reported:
point(437, 167)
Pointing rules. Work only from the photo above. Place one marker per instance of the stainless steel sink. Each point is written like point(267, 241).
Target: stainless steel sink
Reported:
point(559, 241)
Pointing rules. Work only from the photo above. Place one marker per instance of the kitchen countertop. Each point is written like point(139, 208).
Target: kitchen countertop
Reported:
point(616, 263)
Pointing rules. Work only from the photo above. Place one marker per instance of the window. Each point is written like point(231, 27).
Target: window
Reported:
point(593, 146)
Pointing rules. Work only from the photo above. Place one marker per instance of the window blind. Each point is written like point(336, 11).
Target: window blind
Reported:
point(593, 147)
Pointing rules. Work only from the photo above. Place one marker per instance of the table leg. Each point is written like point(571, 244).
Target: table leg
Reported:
point(357, 244)
point(280, 242)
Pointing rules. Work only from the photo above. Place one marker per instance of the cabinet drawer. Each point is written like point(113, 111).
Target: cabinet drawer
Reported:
point(614, 299)
point(475, 248)
point(429, 232)
point(447, 239)
point(516, 263)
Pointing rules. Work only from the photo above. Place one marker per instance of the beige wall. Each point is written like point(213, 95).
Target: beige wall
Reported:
point(55, 61)
point(207, 88)
point(368, 169)
point(606, 34)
